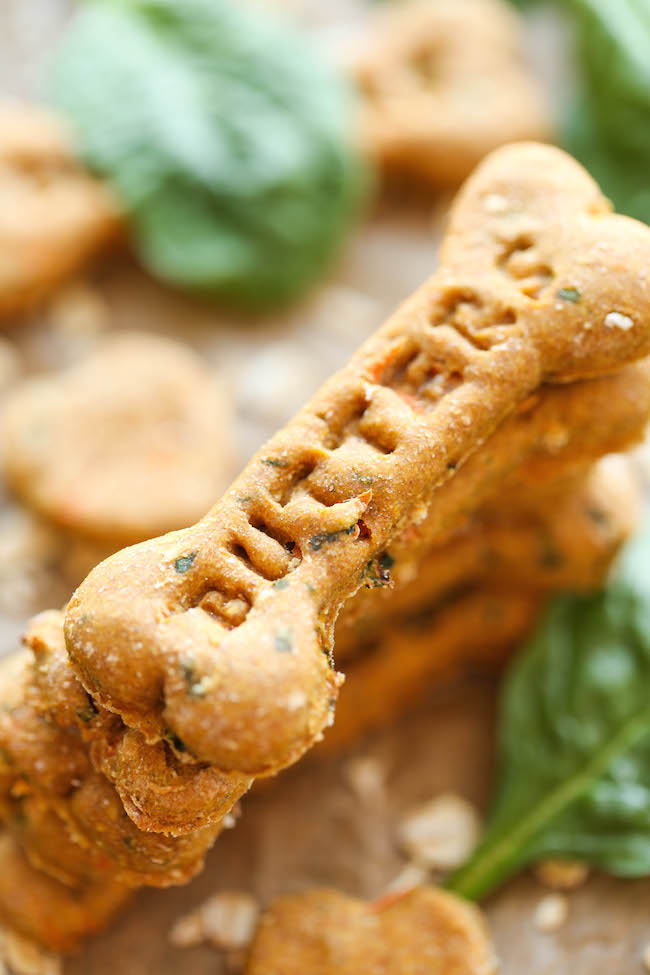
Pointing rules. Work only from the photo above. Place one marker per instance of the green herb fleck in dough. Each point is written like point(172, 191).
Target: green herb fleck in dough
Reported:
point(189, 673)
point(274, 462)
point(569, 294)
point(386, 561)
point(85, 716)
point(184, 562)
point(174, 740)
point(284, 640)
point(316, 542)
point(235, 163)
point(377, 571)
point(598, 516)
point(608, 129)
point(281, 584)
point(89, 712)
point(194, 684)
point(549, 556)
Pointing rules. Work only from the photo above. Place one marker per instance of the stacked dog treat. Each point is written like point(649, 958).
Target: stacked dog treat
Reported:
point(552, 517)
point(461, 439)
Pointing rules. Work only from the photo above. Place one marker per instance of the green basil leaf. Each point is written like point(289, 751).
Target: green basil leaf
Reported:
point(609, 131)
point(225, 134)
point(574, 740)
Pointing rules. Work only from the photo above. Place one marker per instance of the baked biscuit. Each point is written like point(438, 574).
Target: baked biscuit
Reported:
point(548, 446)
point(158, 792)
point(474, 628)
point(67, 815)
point(567, 542)
point(431, 632)
point(443, 82)
point(48, 912)
point(54, 216)
point(126, 444)
point(324, 932)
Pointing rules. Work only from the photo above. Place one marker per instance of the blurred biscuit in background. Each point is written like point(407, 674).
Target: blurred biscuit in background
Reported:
point(131, 442)
point(326, 932)
point(443, 83)
point(54, 216)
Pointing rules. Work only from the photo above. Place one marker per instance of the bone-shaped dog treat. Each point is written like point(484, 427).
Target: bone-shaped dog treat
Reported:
point(45, 708)
point(66, 814)
point(550, 440)
point(54, 216)
point(325, 932)
point(465, 615)
point(474, 629)
point(443, 84)
point(162, 795)
point(567, 544)
point(158, 792)
point(218, 638)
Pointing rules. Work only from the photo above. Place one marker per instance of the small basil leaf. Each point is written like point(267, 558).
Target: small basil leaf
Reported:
point(574, 740)
point(609, 129)
point(224, 133)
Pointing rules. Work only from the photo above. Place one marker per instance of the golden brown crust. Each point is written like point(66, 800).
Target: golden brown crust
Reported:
point(124, 445)
point(472, 628)
point(443, 84)
point(48, 912)
point(203, 640)
point(159, 793)
point(88, 837)
point(52, 789)
point(324, 932)
point(54, 216)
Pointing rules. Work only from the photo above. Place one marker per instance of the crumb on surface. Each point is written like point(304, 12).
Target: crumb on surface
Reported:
point(551, 912)
point(227, 920)
point(562, 874)
point(366, 776)
point(645, 957)
point(410, 876)
point(20, 956)
point(442, 833)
